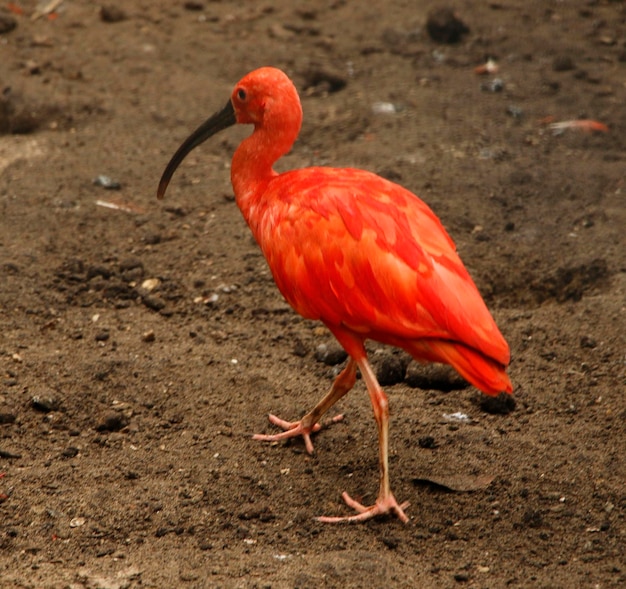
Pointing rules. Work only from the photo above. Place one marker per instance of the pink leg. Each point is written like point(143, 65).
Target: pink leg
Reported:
point(310, 422)
point(385, 502)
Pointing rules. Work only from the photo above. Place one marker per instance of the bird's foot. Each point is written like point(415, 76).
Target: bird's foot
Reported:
point(384, 504)
point(294, 429)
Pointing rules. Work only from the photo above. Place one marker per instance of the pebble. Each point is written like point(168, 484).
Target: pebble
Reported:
point(324, 80)
point(97, 270)
point(384, 108)
point(330, 354)
point(427, 442)
point(7, 23)
point(77, 522)
point(434, 376)
point(500, 405)
point(149, 284)
point(193, 5)
point(299, 349)
point(444, 26)
point(7, 418)
point(107, 182)
point(45, 403)
point(562, 63)
point(148, 336)
point(391, 542)
point(130, 264)
point(154, 302)
point(496, 85)
point(8, 455)
point(457, 416)
point(112, 14)
point(588, 342)
point(102, 336)
point(390, 368)
point(113, 422)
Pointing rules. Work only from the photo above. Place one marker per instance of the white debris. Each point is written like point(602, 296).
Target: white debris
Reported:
point(457, 416)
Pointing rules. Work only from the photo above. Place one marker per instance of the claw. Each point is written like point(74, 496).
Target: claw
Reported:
point(292, 430)
point(383, 505)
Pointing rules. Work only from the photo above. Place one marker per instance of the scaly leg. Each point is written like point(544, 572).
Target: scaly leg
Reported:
point(310, 422)
point(385, 502)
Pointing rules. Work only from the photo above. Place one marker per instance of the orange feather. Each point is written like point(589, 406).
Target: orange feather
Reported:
point(361, 254)
point(356, 251)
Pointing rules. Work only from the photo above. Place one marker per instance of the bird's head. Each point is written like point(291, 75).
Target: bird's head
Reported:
point(265, 98)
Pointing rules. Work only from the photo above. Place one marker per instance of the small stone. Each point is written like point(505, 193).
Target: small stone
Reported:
point(154, 302)
point(153, 238)
point(7, 23)
point(562, 63)
point(32, 67)
point(391, 369)
point(70, 452)
point(495, 85)
point(77, 522)
point(44, 403)
point(321, 79)
point(149, 284)
point(130, 264)
point(427, 442)
point(193, 5)
point(391, 542)
point(107, 182)
point(330, 354)
point(434, 376)
point(103, 271)
point(444, 26)
point(461, 577)
point(587, 342)
point(299, 349)
point(500, 405)
point(10, 268)
point(113, 422)
point(148, 336)
point(112, 14)
point(102, 336)
point(8, 455)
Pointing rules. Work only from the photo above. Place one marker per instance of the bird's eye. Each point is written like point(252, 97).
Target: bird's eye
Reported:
point(241, 94)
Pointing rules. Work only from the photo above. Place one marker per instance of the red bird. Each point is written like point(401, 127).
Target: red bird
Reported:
point(361, 254)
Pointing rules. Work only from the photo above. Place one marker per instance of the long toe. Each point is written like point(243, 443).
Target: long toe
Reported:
point(293, 429)
point(384, 505)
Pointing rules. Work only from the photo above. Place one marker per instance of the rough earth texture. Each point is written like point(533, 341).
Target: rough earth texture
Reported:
point(140, 346)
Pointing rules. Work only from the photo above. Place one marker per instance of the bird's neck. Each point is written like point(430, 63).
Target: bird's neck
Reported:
point(252, 170)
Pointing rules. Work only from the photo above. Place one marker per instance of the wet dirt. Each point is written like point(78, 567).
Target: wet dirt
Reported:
point(142, 345)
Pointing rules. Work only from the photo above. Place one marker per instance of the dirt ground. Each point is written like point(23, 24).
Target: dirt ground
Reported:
point(140, 346)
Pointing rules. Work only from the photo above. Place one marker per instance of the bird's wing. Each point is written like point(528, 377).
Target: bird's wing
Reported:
point(353, 249)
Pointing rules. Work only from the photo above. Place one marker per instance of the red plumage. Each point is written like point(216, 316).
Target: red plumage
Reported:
point(361, 254)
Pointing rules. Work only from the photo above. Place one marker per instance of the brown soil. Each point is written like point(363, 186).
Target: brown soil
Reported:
point(126, 406)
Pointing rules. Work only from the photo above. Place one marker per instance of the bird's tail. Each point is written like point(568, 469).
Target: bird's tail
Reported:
point(483, 372)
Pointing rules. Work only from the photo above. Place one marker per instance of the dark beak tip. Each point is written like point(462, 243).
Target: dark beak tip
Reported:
point(218, 122)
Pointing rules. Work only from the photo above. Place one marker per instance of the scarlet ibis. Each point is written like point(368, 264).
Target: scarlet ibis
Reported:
point(357, 252)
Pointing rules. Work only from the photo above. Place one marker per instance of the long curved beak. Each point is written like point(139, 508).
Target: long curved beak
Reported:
point(218, 122)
